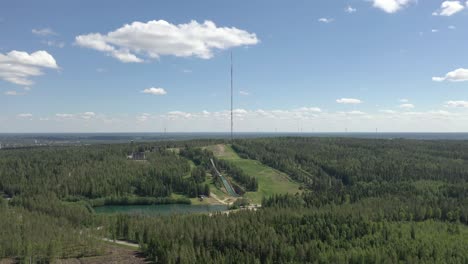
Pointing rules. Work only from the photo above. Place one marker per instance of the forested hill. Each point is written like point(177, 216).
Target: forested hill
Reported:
point(97, 171)
point(422, 178)
point(317, 160)
point(362, 201)
point(366, 201)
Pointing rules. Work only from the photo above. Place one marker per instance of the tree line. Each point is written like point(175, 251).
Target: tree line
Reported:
point(97, 171)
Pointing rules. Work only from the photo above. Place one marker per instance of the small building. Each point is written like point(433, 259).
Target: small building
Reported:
point(137, 156)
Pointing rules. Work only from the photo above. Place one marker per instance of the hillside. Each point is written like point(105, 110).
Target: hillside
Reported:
point(270, 181)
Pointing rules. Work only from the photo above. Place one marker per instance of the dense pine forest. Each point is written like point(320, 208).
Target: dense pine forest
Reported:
point(361, 201)
point(96, 171)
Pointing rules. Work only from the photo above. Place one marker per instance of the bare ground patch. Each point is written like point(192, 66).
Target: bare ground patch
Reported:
point(112, 254)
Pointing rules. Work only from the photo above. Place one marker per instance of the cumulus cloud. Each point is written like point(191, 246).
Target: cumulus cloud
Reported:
point(19, 66)
point(350, 9)
point(388, 111)
point(240, 111)
point(61, 115)
point(303, 113)
point(449, 8)
point(25, 115)
point(458, 75)
point(88, 115)
point(451, 27)
point(261, 120)
point(143, 117)
point(403, 100)
point(310, 109)
point(391, 6)
point(325, 20)
point(13, 93)
point(154, 91)
point(434, 30)
point(178, 114)
point(348, 101)
point(355, 112)
point(43, 32)
point(244, 93)
point(406, 106)
point(76, 116)
point(456, 104)
point(159, 38)
point(53, 43)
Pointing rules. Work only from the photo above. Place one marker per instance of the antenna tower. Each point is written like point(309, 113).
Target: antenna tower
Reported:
point(232, 119)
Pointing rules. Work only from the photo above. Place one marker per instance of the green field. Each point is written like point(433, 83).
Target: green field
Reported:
point(270, 181)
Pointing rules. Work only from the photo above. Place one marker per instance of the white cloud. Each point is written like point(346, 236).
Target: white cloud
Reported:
point(260, 120)
point(406, 106)
point(403, 100)
point(388, 111)
point(456, 104)
point(25, 115)
point(240, 111)
point(355, 112)
point(154, 91)
point(326, 20)
point(244, 93)
point(60, 115)
point(449, 8)
point(451, 27)
point(458, 75)
point(350, 9)
point(160, 38)
point(348, 101)
point(178, 114)
point(143, 117)
point(434, 30)
point(76, 116)
point(13, 93)
point(391, 6)
point(53, 43)
point(310, 109)
point(43, 32)
point(18, 66)
point(88, 115)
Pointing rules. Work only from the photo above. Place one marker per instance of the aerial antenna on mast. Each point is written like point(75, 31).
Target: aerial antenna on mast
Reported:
point(232, 94)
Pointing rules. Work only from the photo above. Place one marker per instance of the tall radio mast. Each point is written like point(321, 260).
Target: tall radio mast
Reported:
point(232, 94)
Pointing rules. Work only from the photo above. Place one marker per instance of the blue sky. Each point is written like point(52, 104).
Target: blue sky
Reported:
point(90, 66)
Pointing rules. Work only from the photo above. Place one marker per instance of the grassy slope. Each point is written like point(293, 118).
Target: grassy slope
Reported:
point(270, 181)
point(209, 180)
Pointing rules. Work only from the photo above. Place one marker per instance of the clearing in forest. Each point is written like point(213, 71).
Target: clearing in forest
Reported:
point(270, 181)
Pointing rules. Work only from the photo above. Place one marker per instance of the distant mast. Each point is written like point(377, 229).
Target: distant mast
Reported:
point(232, 94)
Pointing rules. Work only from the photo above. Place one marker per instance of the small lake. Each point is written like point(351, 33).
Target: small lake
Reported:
point(160, 210)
